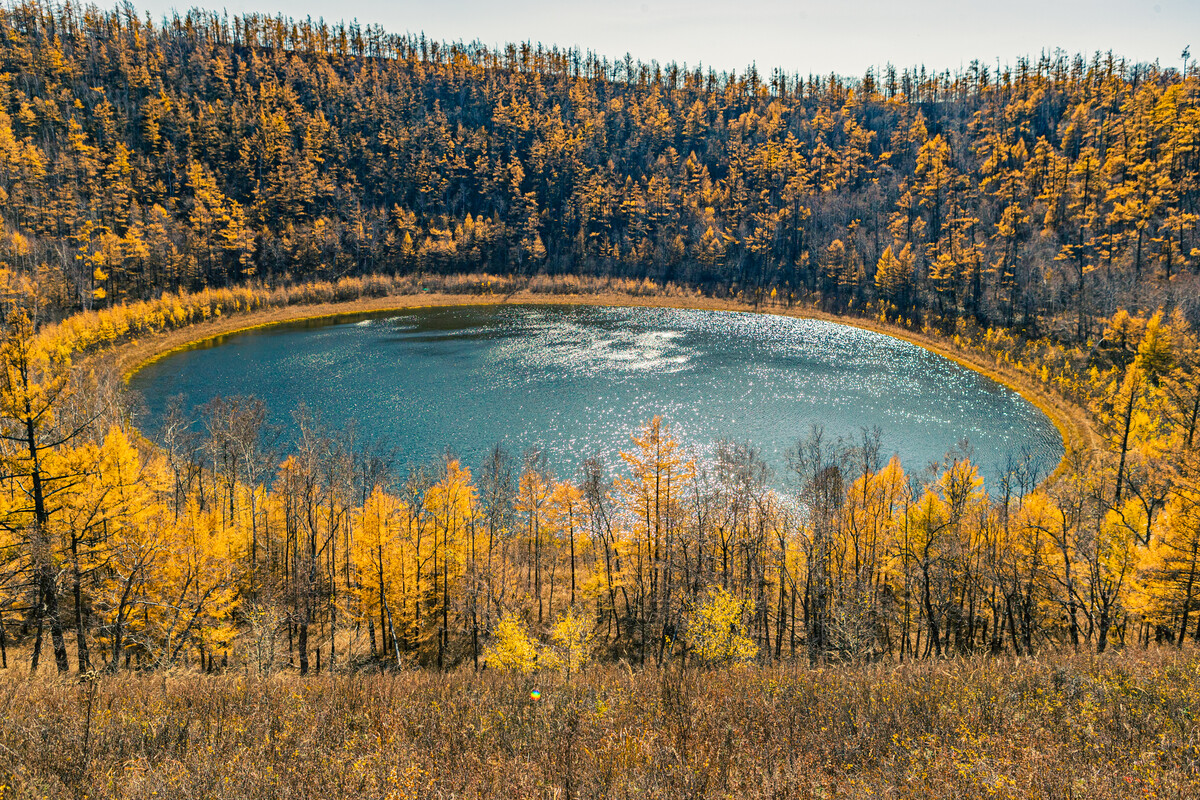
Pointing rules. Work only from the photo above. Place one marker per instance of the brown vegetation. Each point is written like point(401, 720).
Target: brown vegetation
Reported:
point(1119, 726)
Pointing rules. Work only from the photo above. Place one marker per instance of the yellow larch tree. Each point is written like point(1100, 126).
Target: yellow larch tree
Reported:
point(533, 492)
point(564, 511)
point(381, 568)
point(653, 494)
point(453, 510)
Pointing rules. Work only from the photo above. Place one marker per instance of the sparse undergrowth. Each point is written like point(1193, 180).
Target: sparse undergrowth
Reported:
point(1121, 725)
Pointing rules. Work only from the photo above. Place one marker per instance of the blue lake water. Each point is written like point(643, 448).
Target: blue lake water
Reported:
point(577, 380)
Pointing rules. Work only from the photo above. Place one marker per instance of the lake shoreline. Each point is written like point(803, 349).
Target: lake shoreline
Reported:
point(1069, 420)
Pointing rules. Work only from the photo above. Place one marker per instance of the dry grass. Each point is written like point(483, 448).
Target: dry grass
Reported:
point(1122, 725)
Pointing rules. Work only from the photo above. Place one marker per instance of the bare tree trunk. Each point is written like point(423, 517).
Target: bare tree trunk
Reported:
point(392, 629)
point(81, 645)
point(36, 656)
point(1128, 422)
point(302, 647)
point(1187, 596)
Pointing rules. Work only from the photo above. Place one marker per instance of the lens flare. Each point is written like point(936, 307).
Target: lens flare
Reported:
point(535, 695)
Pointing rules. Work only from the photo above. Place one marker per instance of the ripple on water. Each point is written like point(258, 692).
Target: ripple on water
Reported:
point(577, 381)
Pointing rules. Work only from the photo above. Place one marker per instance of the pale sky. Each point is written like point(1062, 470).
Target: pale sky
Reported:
point(800, 36)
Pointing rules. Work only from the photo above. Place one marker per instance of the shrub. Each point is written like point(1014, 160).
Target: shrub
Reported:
point(512, 649)
point(574, 638)
point(716, 630)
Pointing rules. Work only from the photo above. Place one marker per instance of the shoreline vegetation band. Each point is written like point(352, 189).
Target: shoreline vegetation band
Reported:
point(133, 356)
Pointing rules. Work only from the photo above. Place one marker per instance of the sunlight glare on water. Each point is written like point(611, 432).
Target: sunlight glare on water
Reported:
point(577, 380)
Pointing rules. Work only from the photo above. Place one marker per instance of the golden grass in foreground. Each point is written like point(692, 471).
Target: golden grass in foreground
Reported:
point(1096, 727)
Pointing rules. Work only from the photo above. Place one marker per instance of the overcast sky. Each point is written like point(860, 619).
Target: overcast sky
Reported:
point(800, 35)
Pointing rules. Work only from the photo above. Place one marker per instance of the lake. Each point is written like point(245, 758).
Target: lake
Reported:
point(576, 381)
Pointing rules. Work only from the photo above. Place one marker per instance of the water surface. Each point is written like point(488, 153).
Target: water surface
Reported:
point(577, 380)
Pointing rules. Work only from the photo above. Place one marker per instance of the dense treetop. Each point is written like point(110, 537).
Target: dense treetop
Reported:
point(1045, 215)
point(137, 157)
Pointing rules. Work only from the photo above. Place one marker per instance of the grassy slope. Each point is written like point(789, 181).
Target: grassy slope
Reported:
point(1121, 725)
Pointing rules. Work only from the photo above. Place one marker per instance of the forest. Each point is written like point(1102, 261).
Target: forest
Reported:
point(1041, 217)
point(212, 547)
point(202, 150)
point(229, 617)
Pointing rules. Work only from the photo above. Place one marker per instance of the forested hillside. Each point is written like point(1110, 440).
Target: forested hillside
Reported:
point(1044, 215)
point(162, 182)
point(215, 547)
point(137, 157)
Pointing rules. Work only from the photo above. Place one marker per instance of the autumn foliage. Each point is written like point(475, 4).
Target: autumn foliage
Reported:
point(139, 156)
point(1040, 221)
point(212, 550)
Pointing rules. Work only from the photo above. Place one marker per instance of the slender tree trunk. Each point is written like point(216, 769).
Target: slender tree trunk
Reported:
point(1127, 424)
point(46, 577)
point(1102, 634)
point(36, 657)
point(1012, 624)
point(444, 636)
point(118, 642)
point(571, 536)
point(392, 630)
point(930, 617)
point(382, 605)
point(302, 647)
point(81, 645)
point(1187, 594)
point(780, 619)
point(537, 564)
